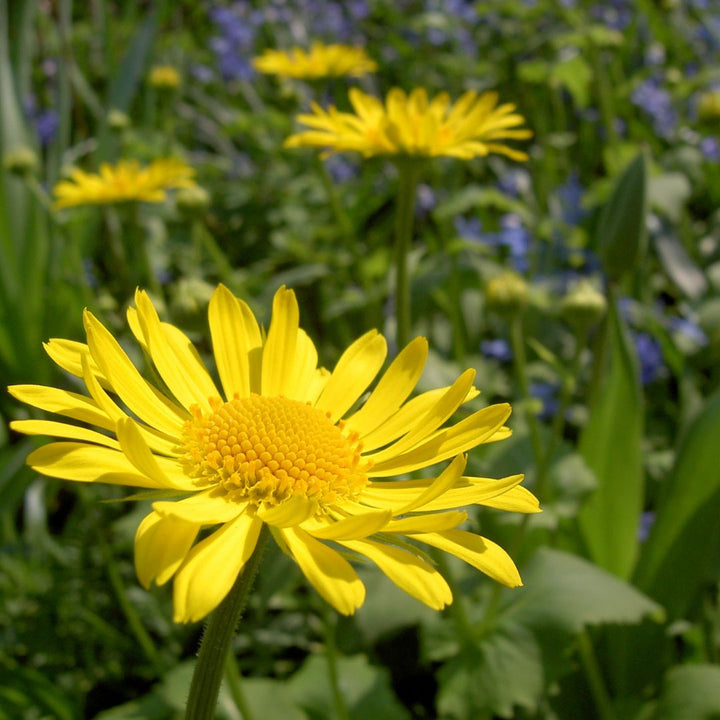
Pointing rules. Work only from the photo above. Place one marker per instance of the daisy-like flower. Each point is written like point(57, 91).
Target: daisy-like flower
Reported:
point(284, 443)
point(321, 61)
point(412, 124)
point(123, 182)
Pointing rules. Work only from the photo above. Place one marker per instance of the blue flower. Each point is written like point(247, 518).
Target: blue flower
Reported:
point(570, 194)
point(710, 148)
point(657, 103)
point(497, 349)
point(650, 356)
point(547, 394)
point(689, 329)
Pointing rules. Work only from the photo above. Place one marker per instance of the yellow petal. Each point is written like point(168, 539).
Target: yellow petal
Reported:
point(68, 353)
point(407, 571)
point(289, 513)
point(427, 522)
point(326, 570)
point(62, 430)
point(149, 404)
point(161, 544)
point(477, 551)
point(468, 433)
point(300, 384)
point(87, 463)
point(278, 355)
point(62, 402)
point(426, 424)
point(393, 389)
point(349, 528)
point(204, 508)
point(355, 370)
point(236, 343)
point(137, 451)
point(519, 499)
point(447, 479)
point(211, 568)
point(175, 358)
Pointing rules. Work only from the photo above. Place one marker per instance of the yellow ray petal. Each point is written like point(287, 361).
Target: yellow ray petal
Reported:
point(519, 499)
point(137, 451)
point(63, 430)
point(300, 380)
point(394, 387)
point(203, 508)
point(436, 415)
point(355, 370)
point(87, 463)
point(62, 402)
point(478, 551)
point(161, 544)
point(348, 528)
point(236, 343)
point(430, 522)
point(289, 513)
point(447, 479)
point(175, 358)
point(326, 570)
point(278, 355)
point(468, 433)
point(407, 571)
point(149, 404)
point(68, 353)
point(211, 568)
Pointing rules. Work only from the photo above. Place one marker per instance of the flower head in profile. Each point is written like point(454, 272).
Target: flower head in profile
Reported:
point(126, 181)
point(474, 126)
point(281, 442)
point(321, 61)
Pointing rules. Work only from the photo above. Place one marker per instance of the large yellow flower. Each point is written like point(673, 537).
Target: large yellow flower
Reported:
point(321, 61)
point(123, 182)
point(413, 125)
point(285, 443)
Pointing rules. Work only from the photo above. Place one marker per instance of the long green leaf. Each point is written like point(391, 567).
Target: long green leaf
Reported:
point(611, 444)
point(684, 542)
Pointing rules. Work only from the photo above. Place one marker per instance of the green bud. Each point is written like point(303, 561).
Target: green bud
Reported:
point(22, 161)
point(507, 293)
point(583, 306)
point(192, 201)
point(709, 106)
point(117, 120)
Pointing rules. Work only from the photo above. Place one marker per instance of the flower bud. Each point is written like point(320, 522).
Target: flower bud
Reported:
point(192, 201)
point(507, 293)
point(22, 161)
point(117, 120)
point(709, 106)
point(583, 306)
point(164, 77)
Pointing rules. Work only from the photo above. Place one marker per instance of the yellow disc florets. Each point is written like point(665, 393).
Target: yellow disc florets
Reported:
point(269, 449)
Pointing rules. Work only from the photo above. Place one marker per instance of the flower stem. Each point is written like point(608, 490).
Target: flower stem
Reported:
point(218, 635)
point(331, 652)
point(405, 213)
point(595, 680)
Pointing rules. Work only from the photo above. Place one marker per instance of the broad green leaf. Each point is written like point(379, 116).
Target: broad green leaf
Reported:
point(576, 76)
point(611, 444)
point(679, 266)
point(364, 687)
point(564, 592)
point(684, 543)
point(691, 692)
point(668, 193)
point(504, 672)
point(621, 228)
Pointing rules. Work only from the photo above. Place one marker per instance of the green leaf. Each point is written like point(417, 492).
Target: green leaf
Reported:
point(691, 692)
point(668, 193)
point(575, 75)
point(505, 671)
point(621, 227)
point(611, 444)
point(679, 266)
point(365, 688)
point(683, 548)
point(564, 592)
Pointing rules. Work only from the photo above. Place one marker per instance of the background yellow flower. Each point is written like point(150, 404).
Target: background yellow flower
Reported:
point(320, 61)
point(412, 124)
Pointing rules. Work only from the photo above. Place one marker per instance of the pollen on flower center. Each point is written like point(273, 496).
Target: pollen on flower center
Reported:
point(269, 449)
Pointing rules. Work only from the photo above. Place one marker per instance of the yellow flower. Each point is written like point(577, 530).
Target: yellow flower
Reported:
point(164, 77)
point(284, 443)
point(413, 125)
point(321, 61)
point(123, 182)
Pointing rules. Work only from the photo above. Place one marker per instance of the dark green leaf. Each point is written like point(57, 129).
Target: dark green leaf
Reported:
point(691, 692)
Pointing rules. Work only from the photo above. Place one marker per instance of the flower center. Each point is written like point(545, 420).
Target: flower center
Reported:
point(270, 449)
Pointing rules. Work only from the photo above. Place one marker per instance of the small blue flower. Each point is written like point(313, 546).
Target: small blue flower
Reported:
point(656, 102)
point(650, 356)
point(547, 394)
point(498, 349)
point(647, 519)
point(710, 148)
point(689, 329)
